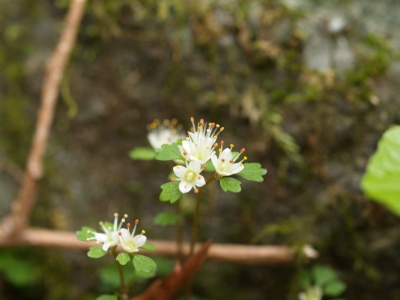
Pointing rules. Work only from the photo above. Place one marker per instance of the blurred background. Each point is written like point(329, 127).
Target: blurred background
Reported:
point(306, 86)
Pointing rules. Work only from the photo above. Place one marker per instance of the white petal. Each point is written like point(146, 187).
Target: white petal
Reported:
point(106, 246)
point(214, 160)
point(101, 237)
point(184, 187)
point(140, 240)
point(186, 146)
point(179, 170)
point(200, 181)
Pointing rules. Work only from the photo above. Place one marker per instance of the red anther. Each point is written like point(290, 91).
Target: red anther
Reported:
point(184, 153)
point(223, 159)
point(196, 191)
point(212, 125)
point(204, 166)
point(173, 179)
point(120, 233)
point(201, 122)
point(128, 225)
point(192, 119)
point(231, 161)
point(222, 143)
point(222, 129)
point(137, 221)
point(242, 150)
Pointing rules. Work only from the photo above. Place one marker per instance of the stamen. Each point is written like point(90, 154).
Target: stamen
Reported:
point(136, 221)
point(196, 191)
point(143, 232)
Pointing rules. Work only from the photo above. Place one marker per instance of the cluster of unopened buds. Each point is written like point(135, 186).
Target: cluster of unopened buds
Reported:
point(113, 234)
point(197, 148)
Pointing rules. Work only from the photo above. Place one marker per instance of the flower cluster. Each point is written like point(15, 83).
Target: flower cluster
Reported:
point(197, 149)
point(113, 233)
point(167, 132)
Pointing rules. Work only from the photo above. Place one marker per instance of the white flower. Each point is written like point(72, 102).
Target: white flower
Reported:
point(110, 236)
point(200, 144)
point(312, 293)
point(167, 132)
point(129, 241)
point(189, 176)
point(225, 164)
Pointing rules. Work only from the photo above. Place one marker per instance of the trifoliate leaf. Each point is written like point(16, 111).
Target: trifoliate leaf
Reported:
point(107, 297)
point(96, 252)
point(144, 264)
point(229, 184)
point(381, 182)
point(123, 258)
point(143, 153)
point(253, 172)
point(149, 247)
point(167, 218)
point(169, 152)
point(85, 233)
point(334, 288)
point(170, 192)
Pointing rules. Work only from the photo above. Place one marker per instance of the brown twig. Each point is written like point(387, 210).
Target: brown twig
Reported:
point(243, 254)
point(23, 204)
point(164, 289)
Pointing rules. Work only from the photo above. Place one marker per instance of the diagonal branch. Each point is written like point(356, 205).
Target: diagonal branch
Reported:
point(23, 204)
point(164, 289)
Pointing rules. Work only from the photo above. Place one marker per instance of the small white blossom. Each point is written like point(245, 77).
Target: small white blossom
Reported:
point(129, 241)
point(110, 236)
point(312, 293)
point(225, 164)
point(167, 132)
point(189, 176)
point(200, 144)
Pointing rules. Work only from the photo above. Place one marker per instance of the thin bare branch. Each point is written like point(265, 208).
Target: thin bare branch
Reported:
point(243, 254)
point(23, 204)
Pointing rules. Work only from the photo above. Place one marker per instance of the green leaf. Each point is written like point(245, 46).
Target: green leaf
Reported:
point(143, 153)
point(96, 252)
point(148, 247)
point(144, 275)
point(334, 288)
point(123, 258)
point(253, 172)
point(144, 264)
point(323, 275)
point(85, 233)
point(229, 184)
point(381, 182)
point(167, 218)
point(170, 192)
point(107, 297)
point(304, 279)
point(209, 166)
point(169, 152)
